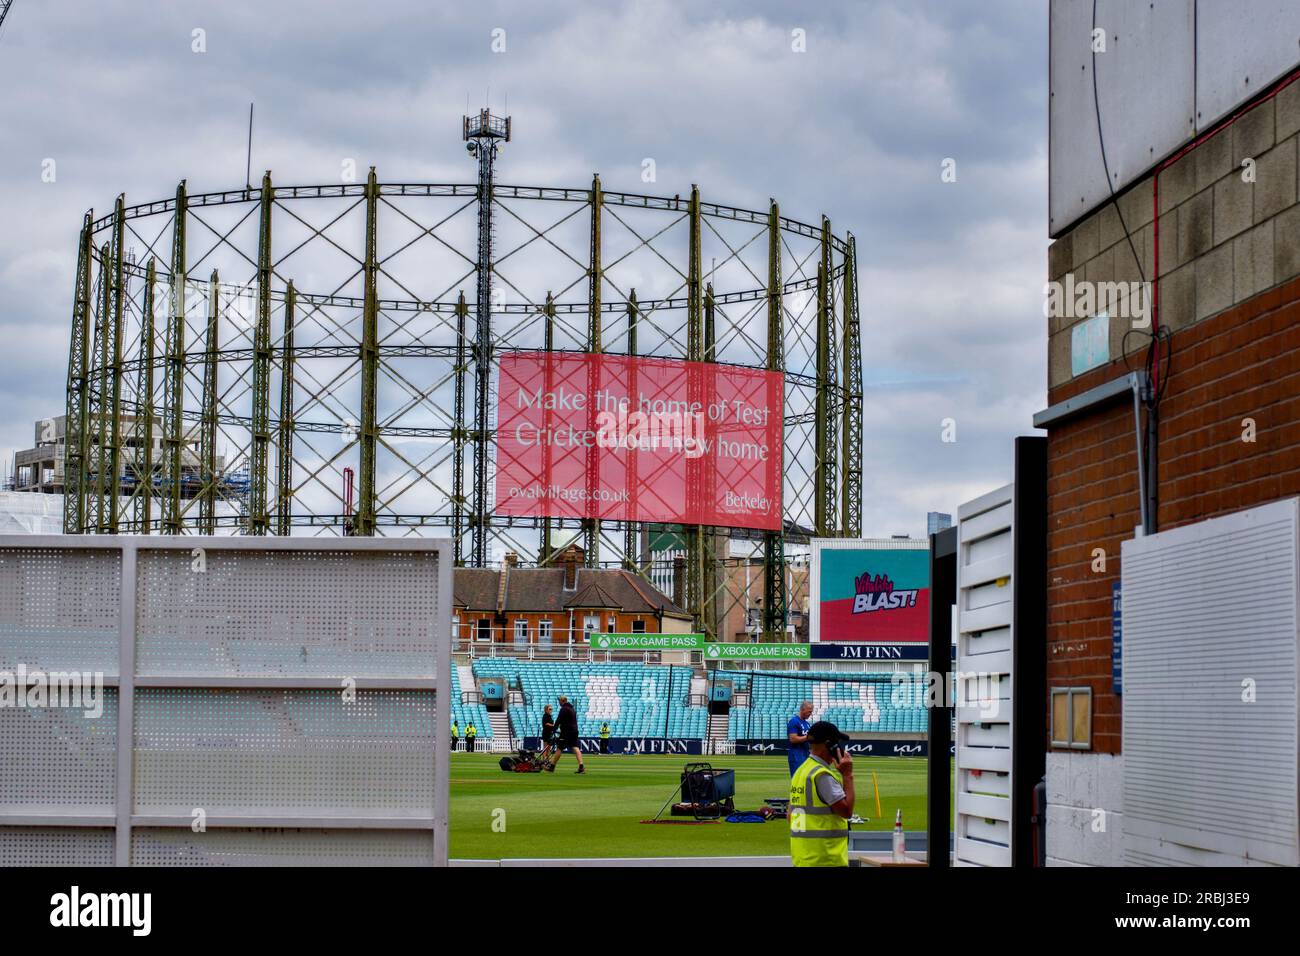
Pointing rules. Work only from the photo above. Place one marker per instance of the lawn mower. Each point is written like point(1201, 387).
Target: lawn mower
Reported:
point(527, 761)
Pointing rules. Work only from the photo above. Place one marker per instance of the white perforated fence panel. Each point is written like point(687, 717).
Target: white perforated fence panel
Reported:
point(1210, 708)
point(59, 607)
point(56, 846)
point(285, 847)
point(283, 696)
point(295, 752)
point(59, 757)
point(301, 613)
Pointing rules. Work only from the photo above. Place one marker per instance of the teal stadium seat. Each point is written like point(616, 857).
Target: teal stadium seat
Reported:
point(632, 697)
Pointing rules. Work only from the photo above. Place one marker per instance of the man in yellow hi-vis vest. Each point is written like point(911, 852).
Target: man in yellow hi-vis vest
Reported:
point(470, 733)
point(821, 800)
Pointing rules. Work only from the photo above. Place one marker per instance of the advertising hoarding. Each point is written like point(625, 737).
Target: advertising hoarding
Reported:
point(624, 438)
point(870, 590)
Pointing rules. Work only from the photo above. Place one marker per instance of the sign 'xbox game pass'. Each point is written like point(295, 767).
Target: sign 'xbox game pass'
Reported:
point(647, 642)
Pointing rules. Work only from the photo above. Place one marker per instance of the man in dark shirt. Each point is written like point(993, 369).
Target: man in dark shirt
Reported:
point(548, 733)
point(567, 726)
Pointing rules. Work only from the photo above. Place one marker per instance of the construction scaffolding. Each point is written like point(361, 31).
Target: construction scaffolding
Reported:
point(349, 341)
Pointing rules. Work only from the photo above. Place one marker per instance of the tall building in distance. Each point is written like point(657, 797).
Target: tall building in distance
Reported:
point(936, 521)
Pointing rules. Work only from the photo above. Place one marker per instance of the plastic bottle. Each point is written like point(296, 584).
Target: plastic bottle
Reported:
point(899, 845)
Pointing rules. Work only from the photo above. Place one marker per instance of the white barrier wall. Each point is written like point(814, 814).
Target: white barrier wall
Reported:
point(1211, 665)
point(984, 781)
point(283, 699)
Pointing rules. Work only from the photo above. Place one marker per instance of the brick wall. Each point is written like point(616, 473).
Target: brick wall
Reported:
point(1228, 265)
point(1242, 363)
point(559, 624)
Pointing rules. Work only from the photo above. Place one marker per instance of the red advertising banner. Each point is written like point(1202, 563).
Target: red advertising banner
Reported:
point(622, 438)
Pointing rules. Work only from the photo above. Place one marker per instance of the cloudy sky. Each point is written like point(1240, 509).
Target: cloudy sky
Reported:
point(857, 127)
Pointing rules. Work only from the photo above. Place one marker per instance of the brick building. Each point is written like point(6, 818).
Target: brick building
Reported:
point(1215, 235)
point(560, 605)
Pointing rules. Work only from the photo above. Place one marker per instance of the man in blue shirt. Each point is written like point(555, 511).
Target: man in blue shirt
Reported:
point(796, 732)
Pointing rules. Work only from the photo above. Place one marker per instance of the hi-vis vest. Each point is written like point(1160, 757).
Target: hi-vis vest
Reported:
point(818, 837)
point(455, 731)
point(604, 731)
point(470, 731)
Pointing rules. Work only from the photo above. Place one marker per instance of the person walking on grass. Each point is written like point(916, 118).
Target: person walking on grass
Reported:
point(567, 727)
point(548, 730)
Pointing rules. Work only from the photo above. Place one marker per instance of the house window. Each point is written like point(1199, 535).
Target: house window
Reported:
point(1072, 717)
point(521, 631)
point(485, 629)
point(613, 624)
point(638, 627)
point(544, 632)
point(455, 628)
point(591, 623)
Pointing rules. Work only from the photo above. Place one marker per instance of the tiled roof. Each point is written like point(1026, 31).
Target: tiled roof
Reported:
point(594, 596)
point(542, 590)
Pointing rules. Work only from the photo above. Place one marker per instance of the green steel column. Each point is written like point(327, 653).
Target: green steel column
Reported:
point(595, 274)
point(458, 436)
point(630, 548)
point(851, 525)
point(99, 408)
point(824, 468)
point(694, 285)
point(76, 429)
point(364, 524)
point(115, 412)
point(208, 428)
point(708, 537)
point(834, 399)
point(284, 472)
point(144, 403)
point(774, 594)
point(694, 535)
point(174, 377)
point(546, 551)
point(259, 518)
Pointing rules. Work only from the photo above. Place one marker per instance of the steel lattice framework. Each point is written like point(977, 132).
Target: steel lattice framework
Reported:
point(233, 352)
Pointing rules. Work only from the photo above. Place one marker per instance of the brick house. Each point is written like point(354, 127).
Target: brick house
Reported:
point(558, 605)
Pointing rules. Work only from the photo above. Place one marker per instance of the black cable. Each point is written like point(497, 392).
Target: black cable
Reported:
point(1162, 334)
point(1105, 164)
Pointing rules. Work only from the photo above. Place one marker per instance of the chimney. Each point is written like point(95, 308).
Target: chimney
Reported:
point(573, 558)
point(679, 581)
point(503, 579)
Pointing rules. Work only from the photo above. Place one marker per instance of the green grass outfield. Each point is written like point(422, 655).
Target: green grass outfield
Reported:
point(562, 814)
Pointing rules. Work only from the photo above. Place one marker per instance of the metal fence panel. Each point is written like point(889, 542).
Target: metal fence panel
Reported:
point(282, 698)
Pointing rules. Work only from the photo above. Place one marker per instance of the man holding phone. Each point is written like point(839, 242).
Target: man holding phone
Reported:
point(821, 800)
